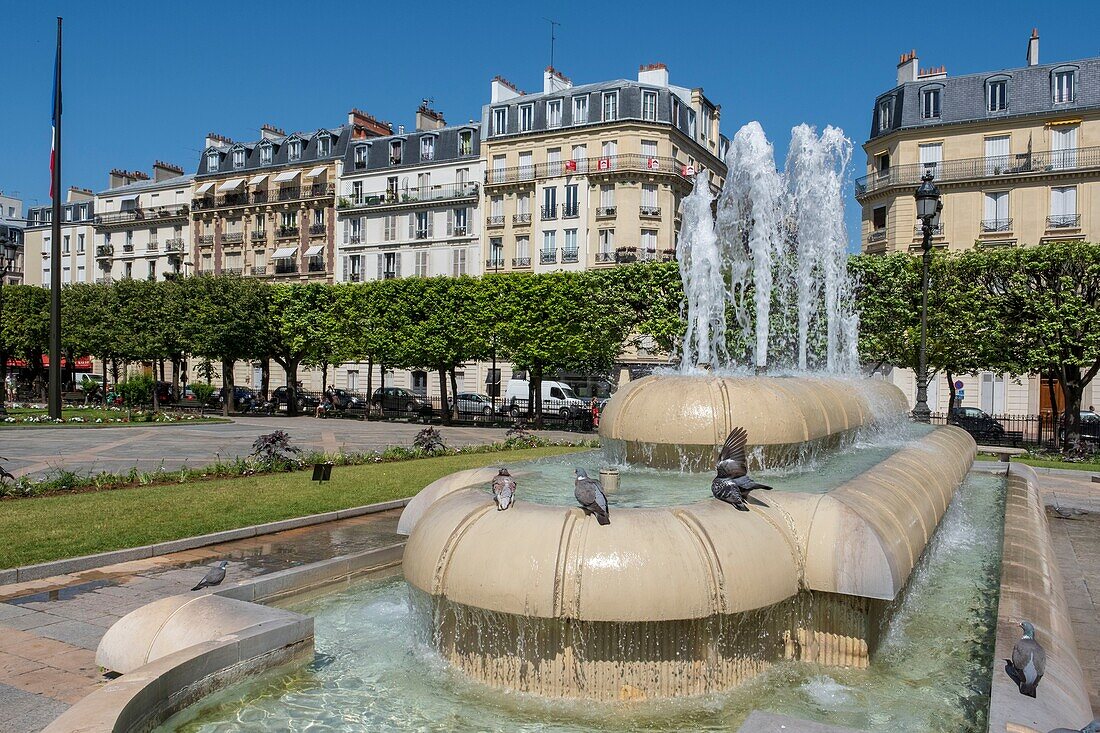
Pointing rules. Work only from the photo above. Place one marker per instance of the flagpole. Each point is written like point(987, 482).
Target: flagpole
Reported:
point(55, 247)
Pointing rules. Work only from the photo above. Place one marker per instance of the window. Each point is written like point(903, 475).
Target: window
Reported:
point(458, 262)
point(500, 120)
point(466, 142)
point(324, 145)
point(549, 202)
point(294, 150)
point(360, 156)
point(212, 160)
point(238, 158)
point(526, 166)
point(691, 122)
point(422, 263)
point(460, 218)
point(649, 196)
point(265, 154)
point(996, 154)
point(572, 205)
point(676, 112)
point(129, 240)
point(610, 106)
point(290, 219)
point(523, 247)
point(427, 147)
point(424, 184)
point(353, 374)
point(996, 95)
point(649, 106)
point(523, 203)
point(553, 113)
point(1063, 207)
point(569, 244)
point(882, 162)
point(931, 155)
point(389, 265)
point(496, 207)
point(423, 224)
point(607, 196)
point(553, 161)
point(526, 117)
point(128, 270)
point(391, 187)
point(498, 166)
point(1063, 145)
point(79, 243)
point(995, 217)
point(704, 132)
point(389, 228)
point(579, 152)
point(649, 149)
point(649, 242)
point(353, 231)
point(878, 218)
point(580, 110)
point(65, 245)
point(1063, 83)
point(885, 107)
point(607, 240)
point(549, 243)
point(395, 152)
point(930, 103)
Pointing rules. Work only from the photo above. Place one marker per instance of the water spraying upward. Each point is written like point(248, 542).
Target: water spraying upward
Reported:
point(701, 271)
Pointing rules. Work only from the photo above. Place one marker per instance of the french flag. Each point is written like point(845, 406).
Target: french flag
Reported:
point(55, 119)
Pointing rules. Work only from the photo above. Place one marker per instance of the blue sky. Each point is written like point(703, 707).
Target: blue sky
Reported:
point(147, 81)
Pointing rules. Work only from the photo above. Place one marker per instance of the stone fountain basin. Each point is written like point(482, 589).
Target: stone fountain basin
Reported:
point(691, 561)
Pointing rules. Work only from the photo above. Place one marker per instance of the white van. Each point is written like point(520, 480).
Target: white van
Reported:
point(558, 398)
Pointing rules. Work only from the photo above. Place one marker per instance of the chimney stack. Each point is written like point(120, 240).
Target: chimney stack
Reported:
point(554, 81)
point(503, 90)
point(119, 177)
point(214, 140)
point(163, 171)
point(77, 194)
point(270, 132)
point(932, 72)
point(428, 119)
point(908, 67)
point(655, 74)
point(1033, 48)
point(364, 125)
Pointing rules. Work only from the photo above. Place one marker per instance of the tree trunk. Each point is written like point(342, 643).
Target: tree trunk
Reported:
point(228, 392)
point(536, 384)
point(454, 395)
point(105, 405)
point(1053, 396)
point(290, 368)
point(324, 377)
point(1073, 389)
point(951, 391)
point(265, 378)
point(444, 407)
point(370, 379)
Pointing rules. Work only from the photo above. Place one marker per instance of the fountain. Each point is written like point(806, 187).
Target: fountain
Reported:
point(692, 598)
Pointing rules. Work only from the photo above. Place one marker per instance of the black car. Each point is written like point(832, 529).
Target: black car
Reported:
point(1090, 427)
point(243, 397)
point(399, 399)
point(976, 422)
point(342, 400)
point(306, 401)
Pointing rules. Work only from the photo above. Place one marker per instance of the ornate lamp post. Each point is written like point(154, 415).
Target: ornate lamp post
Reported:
point(7, 264)
point(928, 209)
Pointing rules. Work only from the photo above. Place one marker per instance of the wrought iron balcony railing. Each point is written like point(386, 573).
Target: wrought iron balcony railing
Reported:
point(316, 264)
point(878, 235)
point(286, 267)
point(175, 244)
point(494, 263)
point(233, 238)
point(205, 239)
point(494, 221)
point(286, 232)
point(549, 212)
point(127, 248)
point(422, 233)
point(258, 270)
point(232, 270)
point(520, 219)
point(605, 257)
point(408, 196)
point(962, 169)
point(258, 236)
point(104, 250)
point(649, 211)
point(918, 231)
point(316, 229)
point(1064, 221)
point(520, 262)
point(605, 211)
point(627, 162)
point(570, 211)
point(996, 225)
point(570, 255)
point(149, 213)
point(548, 256)
point(626, 254)
point(152, 245)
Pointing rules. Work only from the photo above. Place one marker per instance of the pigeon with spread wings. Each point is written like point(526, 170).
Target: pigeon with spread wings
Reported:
point(732, 484)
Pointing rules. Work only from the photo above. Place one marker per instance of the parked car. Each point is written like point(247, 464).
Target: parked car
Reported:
point(474, 403)
point(1090, 427)
point(399, 399)
point(306, 402)
point(557, 397)
point(243, 398)
point(976, 422)
point(344, 400)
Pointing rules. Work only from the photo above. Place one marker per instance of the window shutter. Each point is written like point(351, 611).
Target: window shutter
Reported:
point(450, 222)
point(412, 226)
point(431, 222)
point(381, 263)
point(397, 265)
point(347, 226)
point(362, 229)
point(344, 268)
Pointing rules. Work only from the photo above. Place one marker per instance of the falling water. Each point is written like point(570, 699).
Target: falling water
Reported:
point(779, 256)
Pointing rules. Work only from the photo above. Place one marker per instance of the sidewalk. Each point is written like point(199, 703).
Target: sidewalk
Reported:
point(50, 628)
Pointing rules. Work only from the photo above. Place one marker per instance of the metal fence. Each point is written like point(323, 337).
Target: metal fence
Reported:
point(1041, 432)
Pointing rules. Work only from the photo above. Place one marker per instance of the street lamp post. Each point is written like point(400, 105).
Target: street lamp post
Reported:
point(928, 209)
point(7, 264)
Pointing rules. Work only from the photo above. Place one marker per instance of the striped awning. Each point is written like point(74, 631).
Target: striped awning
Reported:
point(284, 253)
point(257, 180)
point(315, 250)
point(231, 185)
point(204, 188)
point(286, 176)
point(316, 172)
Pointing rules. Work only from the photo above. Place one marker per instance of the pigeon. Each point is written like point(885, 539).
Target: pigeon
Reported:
point(732, 483)
point(1093, 727)
point(1029, 661)
point(590, 495)
point(504, 489)
point(215, 576)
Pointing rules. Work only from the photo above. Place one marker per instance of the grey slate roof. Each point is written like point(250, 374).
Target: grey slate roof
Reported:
point(149, 185)
point(36, 215)
point(338, 142)
point(962, 99)
point(446, 148)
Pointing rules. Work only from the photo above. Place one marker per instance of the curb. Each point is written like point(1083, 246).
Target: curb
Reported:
point(88, 562)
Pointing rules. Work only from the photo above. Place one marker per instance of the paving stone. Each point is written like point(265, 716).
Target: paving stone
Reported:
point(8, 610)
point(26, 712)
point(77, 633)
point(30, 621)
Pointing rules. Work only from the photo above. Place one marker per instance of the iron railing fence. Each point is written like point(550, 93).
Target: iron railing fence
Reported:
point(1034, 432)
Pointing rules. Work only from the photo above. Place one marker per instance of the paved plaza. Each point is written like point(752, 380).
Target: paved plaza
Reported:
point(37, 451)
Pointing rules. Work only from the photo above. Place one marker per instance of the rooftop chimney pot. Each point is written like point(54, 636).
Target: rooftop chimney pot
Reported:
point(1033, 48)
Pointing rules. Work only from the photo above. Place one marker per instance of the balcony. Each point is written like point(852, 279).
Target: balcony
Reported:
point(1064, 221)
point(205, 239)
point(233, 271)
point(964, 169)
point(409, 196)
point(570, 255)
point(610, 164)
point(651, 212)
point(668, 255)
point(104, 250)
point(605, 257)
point(389, 275)
point(233, 238)
point(878, 235)
point(570, 211)
point(127, 248)
point(316, 230)
point(460, 230)
point(260, 236)
point(603, 212)
point(494, 221)
point(494, 263)
point(521, 219)
point(549, 212)
point(284, 232)
point(918, 231)
point(286, 267)
point(647, 255)
point(990, 226)
point(519, 263)
point(315, 264)
point(152, 245)
point(152, 213)
point(103, 280)
point(422, 233)
point(173, 245)
point(548, 257)
point(624, 255)
point(258, 270)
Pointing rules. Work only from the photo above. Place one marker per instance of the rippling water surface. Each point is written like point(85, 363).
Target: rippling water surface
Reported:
point(371, 674)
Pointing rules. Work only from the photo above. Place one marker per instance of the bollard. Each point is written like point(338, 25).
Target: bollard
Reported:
point(609, 477)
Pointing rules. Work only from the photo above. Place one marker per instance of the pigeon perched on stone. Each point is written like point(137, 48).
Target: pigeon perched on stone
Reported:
point(590, 495)
point(213, 577)
point(504, 489)
point(1028, 663)
point(1093, 727)
point(732, 483)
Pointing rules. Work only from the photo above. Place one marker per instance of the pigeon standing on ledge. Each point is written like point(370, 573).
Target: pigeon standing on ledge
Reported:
point(504, 489)
point(215, 576)
point(1028, 663)
point(590, 495)
point(1093, 727)
point(732, 483)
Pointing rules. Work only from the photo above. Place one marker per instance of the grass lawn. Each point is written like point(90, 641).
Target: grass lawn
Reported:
point(1047, 463)
point(89, 416)
point(50, 528)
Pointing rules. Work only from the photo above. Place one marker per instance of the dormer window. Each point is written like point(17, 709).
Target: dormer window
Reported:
point(610, 106)
point(427, 147)
point(395, 152)
point(526, 117)
point(885, 108)
point(324, 145)
point(649, 106)
point(265, 154)
point(930, 103)
point(500, 120)
point(553, 113)
point(360, 157)
point(238, 158)
point(1063, 84)
point(466, 142)
point(996, 95)
point(580, 110)
point(212, 160)
point(294, 150)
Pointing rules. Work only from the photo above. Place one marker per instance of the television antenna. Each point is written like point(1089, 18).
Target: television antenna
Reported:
point(553, 24)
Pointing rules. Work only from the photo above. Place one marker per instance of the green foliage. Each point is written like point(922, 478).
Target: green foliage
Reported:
point(202, 391)
point(137, 390)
